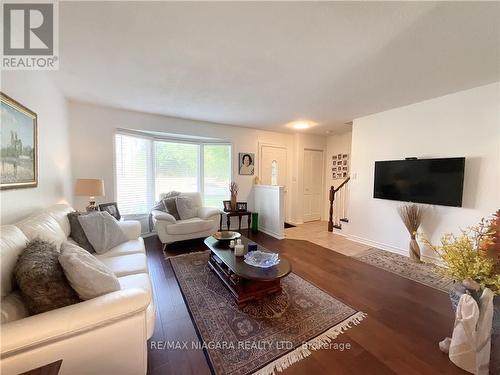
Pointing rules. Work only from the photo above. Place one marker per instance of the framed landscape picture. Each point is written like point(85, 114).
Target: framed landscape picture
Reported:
point(19, 145)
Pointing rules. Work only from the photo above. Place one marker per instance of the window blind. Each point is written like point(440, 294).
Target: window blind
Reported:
point(216, 174)
point(176, 167)
point(147, 167)
point(134, 179)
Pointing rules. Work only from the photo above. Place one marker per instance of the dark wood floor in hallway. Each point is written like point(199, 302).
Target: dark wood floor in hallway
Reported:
point(405, 322)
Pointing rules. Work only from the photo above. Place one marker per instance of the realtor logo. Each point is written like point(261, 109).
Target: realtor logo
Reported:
point(29, 36)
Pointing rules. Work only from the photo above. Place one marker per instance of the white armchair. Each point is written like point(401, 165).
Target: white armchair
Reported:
point(171, 230)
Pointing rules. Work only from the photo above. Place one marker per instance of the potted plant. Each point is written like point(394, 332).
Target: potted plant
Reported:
point(472, 260)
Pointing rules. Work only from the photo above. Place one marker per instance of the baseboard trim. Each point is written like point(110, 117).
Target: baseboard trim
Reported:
point(272, 234)
point(378, 245)
point(393, 249)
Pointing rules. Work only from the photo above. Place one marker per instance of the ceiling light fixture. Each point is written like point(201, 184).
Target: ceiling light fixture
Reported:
point(301, 125)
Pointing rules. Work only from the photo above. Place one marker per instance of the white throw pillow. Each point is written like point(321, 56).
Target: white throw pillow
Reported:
point(88, 276)
point(102, 231)
point(185, 207)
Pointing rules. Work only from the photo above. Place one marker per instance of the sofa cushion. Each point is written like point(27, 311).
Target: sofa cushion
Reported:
point(88, 276)
point(130, 247)
point(188, 226)
point(13, 308)
point(41, 279)
point(77, 233)
point(126, 264)
point(131, 228)
point(186, 207)
point(44, 227)
point(12, 243)
point(60, 213)
point(102, 230)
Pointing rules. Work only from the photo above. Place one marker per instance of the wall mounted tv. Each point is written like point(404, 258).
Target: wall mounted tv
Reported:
point(432, 181)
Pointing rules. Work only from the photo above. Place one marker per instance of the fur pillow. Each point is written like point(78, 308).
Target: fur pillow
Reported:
point(77, 232)
point(87, 275)
point(41, 279)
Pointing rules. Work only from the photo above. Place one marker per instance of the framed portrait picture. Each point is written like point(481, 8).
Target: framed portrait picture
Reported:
point(19, 145)
point(246, 163)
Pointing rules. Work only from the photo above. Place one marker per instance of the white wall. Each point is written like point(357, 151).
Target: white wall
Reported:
point(462, 124)
point(335, 144)
point(93, 128)
point(34, 90)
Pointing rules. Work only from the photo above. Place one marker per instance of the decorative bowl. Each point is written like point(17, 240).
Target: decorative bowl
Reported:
point(226, 235)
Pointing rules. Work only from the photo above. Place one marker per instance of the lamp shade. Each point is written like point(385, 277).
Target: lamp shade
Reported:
point(87, 187)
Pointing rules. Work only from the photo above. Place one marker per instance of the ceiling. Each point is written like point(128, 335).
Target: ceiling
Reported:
point(265, 64)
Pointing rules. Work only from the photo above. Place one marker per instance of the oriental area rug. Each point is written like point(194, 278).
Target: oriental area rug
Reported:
point(423, 273)
point(263, 337)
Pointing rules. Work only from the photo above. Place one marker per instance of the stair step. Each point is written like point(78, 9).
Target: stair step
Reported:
point(337, 226)
point(345, 220)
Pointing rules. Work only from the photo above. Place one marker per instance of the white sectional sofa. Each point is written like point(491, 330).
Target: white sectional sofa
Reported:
point(104, 335)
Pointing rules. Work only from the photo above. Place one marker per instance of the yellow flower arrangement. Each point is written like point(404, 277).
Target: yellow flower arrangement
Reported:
point(469, 256)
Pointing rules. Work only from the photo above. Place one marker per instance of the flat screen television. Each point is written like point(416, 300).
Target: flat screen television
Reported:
point(432, 181)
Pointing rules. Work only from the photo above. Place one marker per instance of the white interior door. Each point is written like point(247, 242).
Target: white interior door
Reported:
point(313, 184)
point(267, 155)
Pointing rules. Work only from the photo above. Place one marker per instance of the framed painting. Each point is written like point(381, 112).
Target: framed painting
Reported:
point(19, 145)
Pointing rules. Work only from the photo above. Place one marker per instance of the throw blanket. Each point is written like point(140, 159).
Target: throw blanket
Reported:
point(471, 341)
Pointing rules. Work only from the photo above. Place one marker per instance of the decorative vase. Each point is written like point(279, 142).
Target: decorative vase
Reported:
point(414, 249)
point(455, 294)
point(233, 202)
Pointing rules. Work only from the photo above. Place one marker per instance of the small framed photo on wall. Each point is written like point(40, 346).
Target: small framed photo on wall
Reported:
point(246, 163)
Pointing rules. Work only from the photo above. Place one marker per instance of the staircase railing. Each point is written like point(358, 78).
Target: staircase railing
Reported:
point(338, 212)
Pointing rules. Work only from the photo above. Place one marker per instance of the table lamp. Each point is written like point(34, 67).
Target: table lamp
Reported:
point(87, 187)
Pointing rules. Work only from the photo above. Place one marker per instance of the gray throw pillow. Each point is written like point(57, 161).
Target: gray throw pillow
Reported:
point(77, 232)
point(171, 207)
point(41, 279)
point(186, 207)
point(88, 276)
point(102, 230)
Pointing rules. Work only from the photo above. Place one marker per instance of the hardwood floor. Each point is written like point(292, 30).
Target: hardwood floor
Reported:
point(317, 232)
point(405, 322)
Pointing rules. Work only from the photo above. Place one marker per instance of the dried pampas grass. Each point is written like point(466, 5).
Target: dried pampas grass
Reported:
point(411, 215)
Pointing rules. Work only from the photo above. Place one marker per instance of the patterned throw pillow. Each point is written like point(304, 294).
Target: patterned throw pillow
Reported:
point(77, 232)
point(41, 279)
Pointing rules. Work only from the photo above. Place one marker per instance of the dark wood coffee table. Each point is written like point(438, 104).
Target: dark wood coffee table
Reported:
point(245, 282)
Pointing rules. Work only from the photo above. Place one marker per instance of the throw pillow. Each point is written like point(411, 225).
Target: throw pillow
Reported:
point(186, 207)
point(171, 207)
point(41, 279)
point(77, 232)
point(102, 230)
point(88, 276)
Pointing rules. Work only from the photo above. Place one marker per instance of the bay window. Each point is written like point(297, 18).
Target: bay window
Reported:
point(145, 167)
